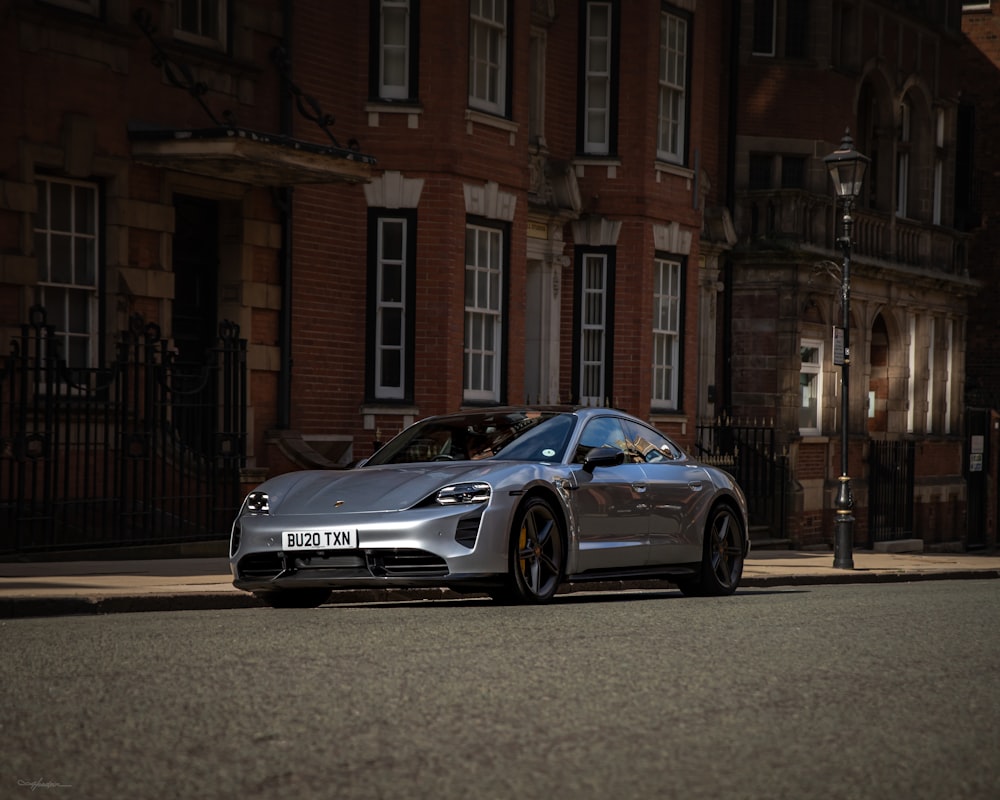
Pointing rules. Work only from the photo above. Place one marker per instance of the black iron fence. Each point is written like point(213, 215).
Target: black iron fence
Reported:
point(146, 450)
point(747, 451)
point(890, 490)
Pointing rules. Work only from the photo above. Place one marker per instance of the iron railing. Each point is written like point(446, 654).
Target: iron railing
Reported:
point(746, 450)
point(890, 490)
point(146, 450)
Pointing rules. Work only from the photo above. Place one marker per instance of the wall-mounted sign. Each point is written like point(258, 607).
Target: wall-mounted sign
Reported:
point(538, 230)
point(838, 347)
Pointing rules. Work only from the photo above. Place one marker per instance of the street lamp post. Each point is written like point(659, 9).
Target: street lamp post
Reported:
point(847, 169)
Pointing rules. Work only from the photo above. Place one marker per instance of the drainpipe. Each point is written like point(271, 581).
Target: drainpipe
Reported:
point(734, 105)
point(285, 256)
point(727, 274)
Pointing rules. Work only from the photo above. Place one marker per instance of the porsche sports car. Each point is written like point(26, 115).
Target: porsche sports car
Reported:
point(512, 502)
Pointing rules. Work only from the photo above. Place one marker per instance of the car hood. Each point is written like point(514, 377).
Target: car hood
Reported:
point(388, 488)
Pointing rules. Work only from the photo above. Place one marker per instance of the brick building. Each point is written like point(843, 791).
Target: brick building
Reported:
point(979, 193)
point(507, 207)
point(888, 72)
point(535, 206)
point(980, 77)
point(407, 209)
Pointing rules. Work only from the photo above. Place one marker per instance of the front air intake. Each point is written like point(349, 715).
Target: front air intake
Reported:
point(468, 531)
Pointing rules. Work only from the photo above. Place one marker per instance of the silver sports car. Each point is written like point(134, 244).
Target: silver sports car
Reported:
point(511, 502)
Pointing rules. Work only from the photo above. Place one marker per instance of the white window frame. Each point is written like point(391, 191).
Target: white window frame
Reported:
point(811, 374)
point(216, 8)
point(68, 268)
point(488, 55)
point(385, 305)
point(399, 50)
point(597, 83)
point(593, 329)
point(667, 296)
point(484, 286)
point(672, 97)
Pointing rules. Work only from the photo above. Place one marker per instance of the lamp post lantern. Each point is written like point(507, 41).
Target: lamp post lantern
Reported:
point(847, 169)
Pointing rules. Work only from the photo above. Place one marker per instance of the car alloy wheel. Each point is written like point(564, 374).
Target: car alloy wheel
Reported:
point(722, 560)
point(724, 548)
point(536, 552)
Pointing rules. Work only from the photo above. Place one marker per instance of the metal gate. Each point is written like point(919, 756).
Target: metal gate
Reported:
point(146, 450)
point(747, 451)
point(890, 490)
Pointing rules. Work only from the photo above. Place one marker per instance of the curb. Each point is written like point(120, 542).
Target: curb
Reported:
point(21, 607)
point(26, 607)
point(868, 577)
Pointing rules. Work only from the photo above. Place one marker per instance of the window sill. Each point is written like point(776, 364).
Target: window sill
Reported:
point(369, 412)
point(206, 43)
point(473, 118)
point(412, 111)
point(676, 170)
point(581, 163)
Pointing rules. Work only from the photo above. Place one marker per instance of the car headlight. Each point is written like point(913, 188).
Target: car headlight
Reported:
point(256, 503)
point(463, 493)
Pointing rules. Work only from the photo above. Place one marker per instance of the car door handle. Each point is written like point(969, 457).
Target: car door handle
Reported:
point(695, 486)
point(640, 487)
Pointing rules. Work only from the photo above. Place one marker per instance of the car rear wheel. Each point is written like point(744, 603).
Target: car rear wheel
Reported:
point(294, 598)
point(722, 562)
point(536, 554)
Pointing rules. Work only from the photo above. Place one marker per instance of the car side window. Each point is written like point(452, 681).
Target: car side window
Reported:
point(651, 445)
point(603, 432)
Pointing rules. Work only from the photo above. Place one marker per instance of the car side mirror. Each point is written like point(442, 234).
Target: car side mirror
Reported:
point(603, 457)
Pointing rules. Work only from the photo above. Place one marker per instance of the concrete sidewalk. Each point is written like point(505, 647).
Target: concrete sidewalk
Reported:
point(172, 584)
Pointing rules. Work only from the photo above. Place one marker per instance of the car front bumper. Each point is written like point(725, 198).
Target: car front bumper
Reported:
point(446, 545)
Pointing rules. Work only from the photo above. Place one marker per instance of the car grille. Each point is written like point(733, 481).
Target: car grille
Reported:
point(406, 564)
point(374, 563)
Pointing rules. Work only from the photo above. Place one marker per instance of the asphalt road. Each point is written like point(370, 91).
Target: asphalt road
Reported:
point(860, 691)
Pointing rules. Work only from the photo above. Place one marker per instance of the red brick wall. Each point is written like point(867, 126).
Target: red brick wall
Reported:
point(330, 263)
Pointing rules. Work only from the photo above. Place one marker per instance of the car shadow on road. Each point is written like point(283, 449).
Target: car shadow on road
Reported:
point(570, 598)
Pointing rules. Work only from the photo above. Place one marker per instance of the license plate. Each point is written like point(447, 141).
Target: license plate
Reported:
point(337, 539)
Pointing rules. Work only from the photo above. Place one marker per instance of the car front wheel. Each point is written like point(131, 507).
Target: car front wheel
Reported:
point(722, 561)
point(536, 553)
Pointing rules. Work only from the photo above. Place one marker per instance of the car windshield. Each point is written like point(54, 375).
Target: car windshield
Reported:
point(515, 435)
